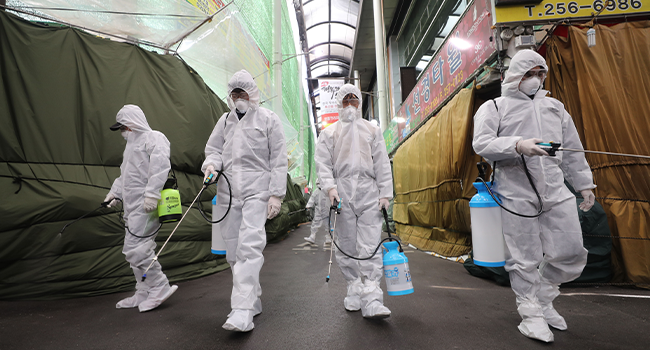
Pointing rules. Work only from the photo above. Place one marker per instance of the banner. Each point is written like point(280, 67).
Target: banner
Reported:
point(329, 112)
point(466, 49)
point(207, 6)
point(557, 9)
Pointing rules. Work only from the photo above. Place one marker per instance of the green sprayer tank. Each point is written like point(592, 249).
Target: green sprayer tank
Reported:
point(169, 204)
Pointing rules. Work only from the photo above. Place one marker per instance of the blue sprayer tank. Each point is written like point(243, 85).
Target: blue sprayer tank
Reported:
point(218, 244)
point(487, 233)
point(396, 270)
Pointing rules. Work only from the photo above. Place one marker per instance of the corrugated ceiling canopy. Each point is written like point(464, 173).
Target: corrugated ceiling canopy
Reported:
point(331, 29)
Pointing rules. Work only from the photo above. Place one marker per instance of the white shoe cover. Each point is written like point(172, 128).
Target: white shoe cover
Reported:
point(240, 321)
point(352, 301)
point(155, 299)
point(310, 240)
point(547, 293)
point(536, 328)
point(533, 325)
point(553, 318)
point(375, 310)
point(132, 301)
point(257, 307)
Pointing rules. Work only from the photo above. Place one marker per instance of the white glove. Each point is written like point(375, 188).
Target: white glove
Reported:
point(589, 200)
point(110, 197)
point(383, 203)
point(334, 194)
point(529, 148)
point(150, 204)
point(209, 170)
point(274, 207)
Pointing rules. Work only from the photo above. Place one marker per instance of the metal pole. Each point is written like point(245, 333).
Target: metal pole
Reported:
point(377, 7)
point(357, 83)
point(277, 55)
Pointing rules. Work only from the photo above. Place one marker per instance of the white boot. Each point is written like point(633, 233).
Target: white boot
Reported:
point(157, 296)
point(352, 301)
point(533, 324)
point(140, 293)
point(311, 239)
point(132, 301)
point(372, 301)
point(240, 320)
point(547, 293)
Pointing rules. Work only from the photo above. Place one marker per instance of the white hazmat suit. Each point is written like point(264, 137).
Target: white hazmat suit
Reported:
point(144, 170)
point(320, 204)
point(252, 153)
point(547, 250)
point(352, 160)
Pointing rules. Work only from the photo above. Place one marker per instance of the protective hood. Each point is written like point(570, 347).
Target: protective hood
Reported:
point(522, 62)
point(244, 80)
point(133, 117)
point(344, 90)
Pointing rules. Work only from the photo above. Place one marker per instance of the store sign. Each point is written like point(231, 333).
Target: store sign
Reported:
point(466, 49)
point(207, 6)
point(329, 111)
point(550, 9)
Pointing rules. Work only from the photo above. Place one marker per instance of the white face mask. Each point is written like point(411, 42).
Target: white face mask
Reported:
point(348, 113)
point(242, 105)
point(530, 86)
point(125, 134)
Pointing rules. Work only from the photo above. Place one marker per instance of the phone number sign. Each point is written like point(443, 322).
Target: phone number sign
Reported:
point(550, 9)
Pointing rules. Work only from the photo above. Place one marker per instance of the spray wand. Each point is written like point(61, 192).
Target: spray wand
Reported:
point(552, 147)
point(337, 208)
point(207, 182)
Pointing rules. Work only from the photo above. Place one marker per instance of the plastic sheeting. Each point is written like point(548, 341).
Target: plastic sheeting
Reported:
point(238, 37)
point(162, 22)
point(433, 173)
point(605, 88)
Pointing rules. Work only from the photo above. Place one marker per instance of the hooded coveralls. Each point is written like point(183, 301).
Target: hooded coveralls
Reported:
point(351, 157)
point(550, 245)
point(144, 170)
point(252, 153)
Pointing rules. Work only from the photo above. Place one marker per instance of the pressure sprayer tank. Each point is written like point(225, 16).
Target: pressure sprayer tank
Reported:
point(218, 244)
point(487, 233)
point(396, 270)
point(169, 204)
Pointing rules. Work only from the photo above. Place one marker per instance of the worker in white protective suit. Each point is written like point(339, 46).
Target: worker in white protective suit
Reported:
point(319, 203)
point(547, 250)
point(144, 171)
point(248, 145)
point(353, 168)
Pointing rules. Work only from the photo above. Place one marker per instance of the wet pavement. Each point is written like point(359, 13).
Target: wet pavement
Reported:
point(450, 309)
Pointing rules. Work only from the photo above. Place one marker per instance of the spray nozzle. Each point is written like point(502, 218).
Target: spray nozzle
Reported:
point(550, 147)
point(143, 277)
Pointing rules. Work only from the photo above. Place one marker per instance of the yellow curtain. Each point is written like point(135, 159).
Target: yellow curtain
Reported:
point(433, 173)
point(606, 89)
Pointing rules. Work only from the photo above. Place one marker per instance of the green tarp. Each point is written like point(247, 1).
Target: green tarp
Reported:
point(59, 92)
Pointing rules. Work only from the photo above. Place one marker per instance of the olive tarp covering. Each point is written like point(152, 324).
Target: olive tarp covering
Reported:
point(433, 174)
point(597, 241)
point(605, 88)
point(290, 213)
point(60, 89)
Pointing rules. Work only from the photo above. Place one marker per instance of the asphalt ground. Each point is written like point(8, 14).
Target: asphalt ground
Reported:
point(450, 309)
